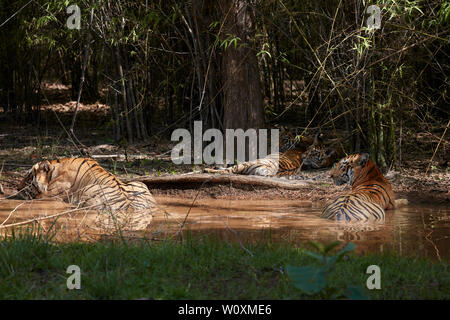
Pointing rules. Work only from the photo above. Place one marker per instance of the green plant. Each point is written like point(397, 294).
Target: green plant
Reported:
point(230, 40)
point(115, 167)
point(314, 280)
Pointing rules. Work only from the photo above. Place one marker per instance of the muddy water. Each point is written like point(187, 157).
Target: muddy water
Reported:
point(419, 230)
point(47, 216)
point(412, 230)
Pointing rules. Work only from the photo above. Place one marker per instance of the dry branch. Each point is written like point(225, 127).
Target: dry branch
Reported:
point(225, 179)
point(437, 147)
point(42, 218)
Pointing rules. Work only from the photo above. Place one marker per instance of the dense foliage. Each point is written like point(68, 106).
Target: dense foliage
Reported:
point(161, 65)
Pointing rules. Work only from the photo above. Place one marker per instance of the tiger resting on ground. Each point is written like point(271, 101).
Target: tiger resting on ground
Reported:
point(289, 162)
point(371, 192)
point(83, 182)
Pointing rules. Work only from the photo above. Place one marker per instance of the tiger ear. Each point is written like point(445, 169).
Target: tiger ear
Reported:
point(45, 165)
point(318, 139)
point(363, 158)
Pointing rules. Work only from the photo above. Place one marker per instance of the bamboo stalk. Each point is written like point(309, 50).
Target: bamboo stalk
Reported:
point(437, 147)
point(124, 95)
point(83, 70)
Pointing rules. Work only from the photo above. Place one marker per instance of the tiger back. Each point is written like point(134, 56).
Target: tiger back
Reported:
point(83, 182)
point(296, 154)
point(371, 192)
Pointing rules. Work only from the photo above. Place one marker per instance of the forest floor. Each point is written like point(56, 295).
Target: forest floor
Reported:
point(23, 144)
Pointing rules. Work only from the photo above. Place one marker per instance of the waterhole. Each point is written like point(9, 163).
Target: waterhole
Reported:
point(418, 230)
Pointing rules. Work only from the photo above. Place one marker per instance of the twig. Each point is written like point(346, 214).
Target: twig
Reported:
point(10, 214)
point(228, 226)
point(437, 147)
point(86, 54)
point(23, 165)
point(46, 217)
point(13, 195)
point(1, 170)
point(190, 208)
point(15, 13)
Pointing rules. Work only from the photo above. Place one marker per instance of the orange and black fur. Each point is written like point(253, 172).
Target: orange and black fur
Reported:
point(371, 192)
point(296, 155)
point(83, 182)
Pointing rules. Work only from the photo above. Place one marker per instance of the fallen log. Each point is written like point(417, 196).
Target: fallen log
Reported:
point(235, 180)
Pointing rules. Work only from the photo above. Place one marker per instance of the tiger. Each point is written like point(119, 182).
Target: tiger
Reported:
point(83, 182)
point(319, 155)
point(272, 165)
point(291, 139)
point(293, 158)
point(371, 192)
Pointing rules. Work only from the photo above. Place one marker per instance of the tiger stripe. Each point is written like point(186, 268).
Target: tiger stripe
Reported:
point(371, 192)
point(83, 182)
point(288, 163)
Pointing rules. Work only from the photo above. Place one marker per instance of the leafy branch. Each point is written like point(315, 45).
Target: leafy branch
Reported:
point(314, 280)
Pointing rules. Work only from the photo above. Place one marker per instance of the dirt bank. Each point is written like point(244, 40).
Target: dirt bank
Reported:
point(414, 188)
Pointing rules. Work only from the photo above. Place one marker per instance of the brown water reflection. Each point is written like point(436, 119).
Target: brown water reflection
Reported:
point(58, 219)
point(412, 230)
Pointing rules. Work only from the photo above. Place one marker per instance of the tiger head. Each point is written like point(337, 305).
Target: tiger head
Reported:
point(318, 155)
point(349, 167)
point(36, 180)
point(288, 139)
point(292, 138)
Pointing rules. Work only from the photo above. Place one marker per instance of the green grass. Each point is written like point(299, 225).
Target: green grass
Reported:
point(202, 268)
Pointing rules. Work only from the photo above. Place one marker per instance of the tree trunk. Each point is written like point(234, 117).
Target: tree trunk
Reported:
point(243, 103)
point(204, 179)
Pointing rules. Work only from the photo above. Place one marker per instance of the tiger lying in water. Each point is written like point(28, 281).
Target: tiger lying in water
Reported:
point(371, 191)
point(288, 163)
point(83, 182)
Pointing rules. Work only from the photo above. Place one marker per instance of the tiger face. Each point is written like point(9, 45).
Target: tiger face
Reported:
point(289, 140)
point(348, 168)
point(36, 181)
point(316, 158)
point(318, 155)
